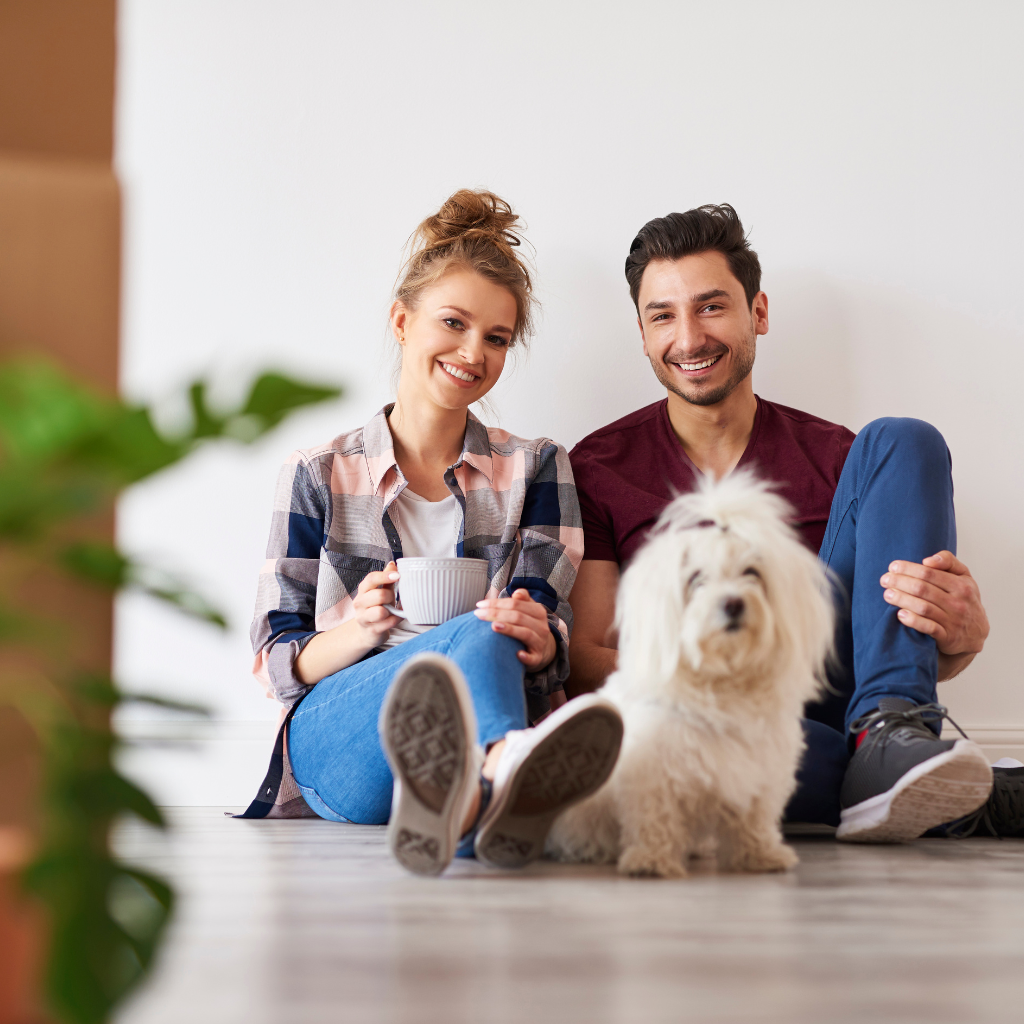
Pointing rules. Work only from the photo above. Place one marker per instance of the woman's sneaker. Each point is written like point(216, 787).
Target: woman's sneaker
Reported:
point(904, 780)
point(428, 732)
point(541, 772)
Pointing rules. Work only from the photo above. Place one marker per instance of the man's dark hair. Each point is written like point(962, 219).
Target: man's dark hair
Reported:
point(705, 229)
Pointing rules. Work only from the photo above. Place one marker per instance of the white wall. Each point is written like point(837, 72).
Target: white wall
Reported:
point(275, 155)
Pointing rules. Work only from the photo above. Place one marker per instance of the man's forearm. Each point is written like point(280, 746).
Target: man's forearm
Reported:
point(590, 665)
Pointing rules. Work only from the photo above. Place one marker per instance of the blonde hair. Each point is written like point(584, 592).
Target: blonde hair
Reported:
point(476, 230)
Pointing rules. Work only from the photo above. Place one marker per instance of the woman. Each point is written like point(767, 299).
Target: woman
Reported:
point(425, 478)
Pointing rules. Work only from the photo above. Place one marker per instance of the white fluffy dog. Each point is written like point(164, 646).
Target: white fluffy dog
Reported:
point(725, 621)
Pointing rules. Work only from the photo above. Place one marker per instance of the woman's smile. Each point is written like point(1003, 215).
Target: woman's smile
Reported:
point(460, 375)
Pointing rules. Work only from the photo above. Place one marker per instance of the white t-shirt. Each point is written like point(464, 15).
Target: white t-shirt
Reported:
point(428, 529)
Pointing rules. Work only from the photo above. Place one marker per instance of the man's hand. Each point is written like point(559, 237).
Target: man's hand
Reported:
point(940, 598)
point(525, 620)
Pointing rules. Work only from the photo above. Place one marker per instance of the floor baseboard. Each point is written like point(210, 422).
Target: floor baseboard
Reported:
point(189, 763)
point(996, 740)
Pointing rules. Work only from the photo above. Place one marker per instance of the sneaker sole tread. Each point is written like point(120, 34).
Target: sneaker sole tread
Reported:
point(941, 789)
point(424, 738)
point(564, 768)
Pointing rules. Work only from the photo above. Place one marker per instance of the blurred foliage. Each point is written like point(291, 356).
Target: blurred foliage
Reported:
point(65, 454)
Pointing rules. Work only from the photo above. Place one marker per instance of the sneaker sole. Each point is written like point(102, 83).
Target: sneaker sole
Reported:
point(425, 728)
point(941, 789)
point(567, 766)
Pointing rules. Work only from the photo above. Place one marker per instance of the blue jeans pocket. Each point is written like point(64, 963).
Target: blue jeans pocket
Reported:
point(312, 798)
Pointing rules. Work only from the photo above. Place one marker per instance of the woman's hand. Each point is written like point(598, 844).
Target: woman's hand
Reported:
point(343, 645)
point(525, 620)
point(373, 620)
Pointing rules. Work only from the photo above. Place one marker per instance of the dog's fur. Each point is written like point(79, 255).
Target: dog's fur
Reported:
point(711, 692)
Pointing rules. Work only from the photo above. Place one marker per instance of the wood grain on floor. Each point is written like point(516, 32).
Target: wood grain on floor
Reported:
point(303, 922)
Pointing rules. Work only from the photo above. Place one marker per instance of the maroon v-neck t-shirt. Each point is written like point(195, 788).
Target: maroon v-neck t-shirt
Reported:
point(626, 473)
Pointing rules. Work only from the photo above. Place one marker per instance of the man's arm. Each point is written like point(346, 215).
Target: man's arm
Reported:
point(592, 653)
point(940, 598)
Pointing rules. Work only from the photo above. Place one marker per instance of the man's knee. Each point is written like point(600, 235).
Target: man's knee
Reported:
point(903, 432)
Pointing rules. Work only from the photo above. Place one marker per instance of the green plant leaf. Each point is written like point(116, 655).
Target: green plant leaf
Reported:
point(204, 423)
point(126, 796)
point(65, 451)
point(34, 497)
point(105, 566)
point(273, 397)
point(106, 921)
point(139, 903)
point(199, 710)
point(44, 412)
point(131, 448)
point(16, 627)
point(186, 601)
point(98, 563)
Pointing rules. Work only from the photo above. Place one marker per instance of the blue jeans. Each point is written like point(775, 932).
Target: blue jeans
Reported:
point(333, 742)
point(894, 500)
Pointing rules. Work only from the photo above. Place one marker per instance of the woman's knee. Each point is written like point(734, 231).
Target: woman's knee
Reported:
point(479, 635)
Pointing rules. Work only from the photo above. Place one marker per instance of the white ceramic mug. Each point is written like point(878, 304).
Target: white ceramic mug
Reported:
point(434, 590)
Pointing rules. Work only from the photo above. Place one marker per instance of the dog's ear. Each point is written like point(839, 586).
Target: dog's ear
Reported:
point(804, 608)
point(649, 609)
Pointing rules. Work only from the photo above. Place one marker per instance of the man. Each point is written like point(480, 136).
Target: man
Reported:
point(860, 501)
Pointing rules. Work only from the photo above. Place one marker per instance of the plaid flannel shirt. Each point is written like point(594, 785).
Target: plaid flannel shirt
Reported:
point(333, 523)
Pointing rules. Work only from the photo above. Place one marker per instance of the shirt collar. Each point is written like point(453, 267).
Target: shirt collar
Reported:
point(476, 448)
point(379, 447)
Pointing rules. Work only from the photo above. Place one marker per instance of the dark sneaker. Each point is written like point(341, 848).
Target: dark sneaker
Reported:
point(428, 732)
point(541, 772)
point(903, 780)
point(1001, 815)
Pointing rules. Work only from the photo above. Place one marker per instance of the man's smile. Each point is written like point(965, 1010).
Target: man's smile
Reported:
point(694, 367)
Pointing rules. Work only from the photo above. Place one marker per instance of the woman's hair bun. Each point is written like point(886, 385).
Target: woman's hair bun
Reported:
point(474, 229)
point(469, 215)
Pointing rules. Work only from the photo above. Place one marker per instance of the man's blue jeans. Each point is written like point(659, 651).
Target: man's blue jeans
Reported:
point(333, 743)
point(894, 501)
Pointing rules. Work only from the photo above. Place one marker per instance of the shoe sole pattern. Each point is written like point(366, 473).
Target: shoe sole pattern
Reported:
point(424, 738)
point(941, 789)
point(564, 768)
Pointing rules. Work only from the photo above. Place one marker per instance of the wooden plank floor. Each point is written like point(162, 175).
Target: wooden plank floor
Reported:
point(302, 922)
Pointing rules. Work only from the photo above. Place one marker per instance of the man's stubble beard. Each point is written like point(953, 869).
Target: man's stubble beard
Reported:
point(710, 396)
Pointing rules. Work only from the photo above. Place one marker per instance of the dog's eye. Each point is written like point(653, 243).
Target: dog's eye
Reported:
point(751, 571)
point(694, 581)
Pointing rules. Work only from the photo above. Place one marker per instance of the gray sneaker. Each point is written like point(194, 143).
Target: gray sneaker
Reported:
point(904, 780)
point(428, 732)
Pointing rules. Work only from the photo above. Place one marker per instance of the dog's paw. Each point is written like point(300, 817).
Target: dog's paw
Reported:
point(765, 858)
point(706, 849)
point(581, 853)
point(641, 863)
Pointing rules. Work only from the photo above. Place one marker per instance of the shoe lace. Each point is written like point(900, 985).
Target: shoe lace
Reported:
point(880, 724)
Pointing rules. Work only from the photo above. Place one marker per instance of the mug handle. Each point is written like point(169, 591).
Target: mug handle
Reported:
point(396, 611)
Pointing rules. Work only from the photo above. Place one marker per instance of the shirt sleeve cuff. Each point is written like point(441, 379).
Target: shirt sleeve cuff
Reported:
point(553, 676)
point(288, 687)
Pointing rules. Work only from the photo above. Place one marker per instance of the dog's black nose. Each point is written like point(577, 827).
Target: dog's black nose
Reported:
point(733, 608)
